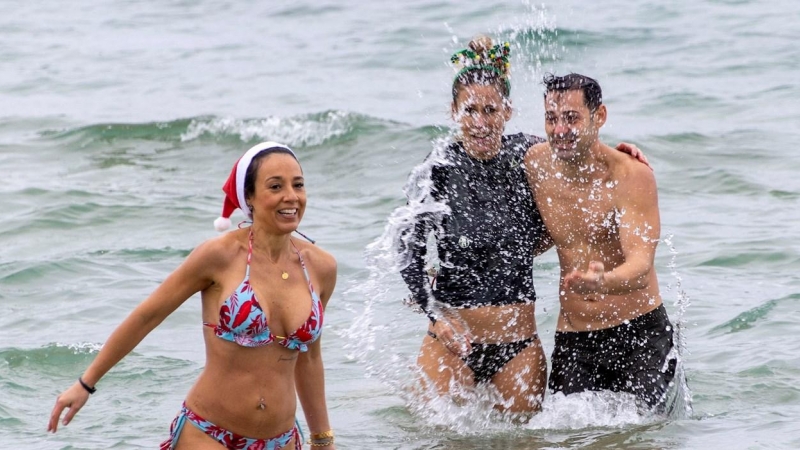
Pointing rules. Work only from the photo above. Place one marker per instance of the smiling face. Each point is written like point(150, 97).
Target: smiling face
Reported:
point(571, 127)
point(482, 112)
point(279, 198)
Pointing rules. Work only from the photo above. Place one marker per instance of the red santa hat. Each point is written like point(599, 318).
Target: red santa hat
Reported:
point(234, 185)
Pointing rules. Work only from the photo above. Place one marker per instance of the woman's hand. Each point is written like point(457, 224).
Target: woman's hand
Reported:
point(453, 334)
point(634, 151)
point(73, 398)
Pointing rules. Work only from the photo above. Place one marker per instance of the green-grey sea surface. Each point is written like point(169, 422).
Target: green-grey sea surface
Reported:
point(119, 122)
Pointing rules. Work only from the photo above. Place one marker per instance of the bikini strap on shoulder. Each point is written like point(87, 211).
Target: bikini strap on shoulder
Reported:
point(302, 263)
point(297, 250)
point(249, 251)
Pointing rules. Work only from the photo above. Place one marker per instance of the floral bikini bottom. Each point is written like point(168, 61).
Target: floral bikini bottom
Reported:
point(229, 439)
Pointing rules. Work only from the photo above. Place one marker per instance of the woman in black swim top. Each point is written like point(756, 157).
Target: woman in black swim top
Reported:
point(483, 327)
point(480, 297)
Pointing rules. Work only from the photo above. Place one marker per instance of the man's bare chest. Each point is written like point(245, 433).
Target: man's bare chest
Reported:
point(579, 215)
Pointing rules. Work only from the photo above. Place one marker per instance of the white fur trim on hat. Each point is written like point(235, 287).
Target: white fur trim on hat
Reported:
point(241, 171)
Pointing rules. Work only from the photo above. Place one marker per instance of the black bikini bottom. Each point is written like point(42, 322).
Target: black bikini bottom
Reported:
point(486, 360)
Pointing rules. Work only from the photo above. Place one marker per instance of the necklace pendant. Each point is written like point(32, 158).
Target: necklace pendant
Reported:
point(285, 275)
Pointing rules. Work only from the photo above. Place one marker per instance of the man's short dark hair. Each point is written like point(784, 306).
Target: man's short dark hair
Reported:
point(592, 94)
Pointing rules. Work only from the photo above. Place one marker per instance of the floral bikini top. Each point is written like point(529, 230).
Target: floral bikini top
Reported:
point(241, 319)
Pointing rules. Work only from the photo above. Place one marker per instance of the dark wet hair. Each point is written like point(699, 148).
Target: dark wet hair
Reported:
point(481, 77)
point(255, 164)
point(592, 94)
point(493, 73)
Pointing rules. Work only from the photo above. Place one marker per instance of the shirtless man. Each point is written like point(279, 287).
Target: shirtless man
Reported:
point(601, 209)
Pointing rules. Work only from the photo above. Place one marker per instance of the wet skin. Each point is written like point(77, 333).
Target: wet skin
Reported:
point(481, 112)
point(601, 209)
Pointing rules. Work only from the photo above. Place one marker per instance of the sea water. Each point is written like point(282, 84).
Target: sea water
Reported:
point(121, 120)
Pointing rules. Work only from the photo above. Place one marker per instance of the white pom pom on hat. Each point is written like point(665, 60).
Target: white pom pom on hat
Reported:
point(222, 223)
point(234, 185)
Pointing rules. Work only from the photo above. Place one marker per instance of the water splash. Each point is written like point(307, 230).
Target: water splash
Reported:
point(464, 410)
point(388, 351)
point(591, 409)
point(679, 398)
point(534, 37)
point(388, 255)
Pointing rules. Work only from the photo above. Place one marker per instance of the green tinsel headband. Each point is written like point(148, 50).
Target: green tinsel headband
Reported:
point(496, 60)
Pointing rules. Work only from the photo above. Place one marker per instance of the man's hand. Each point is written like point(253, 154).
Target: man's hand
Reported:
point(586, 283)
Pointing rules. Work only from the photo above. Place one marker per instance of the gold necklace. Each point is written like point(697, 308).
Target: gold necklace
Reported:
point(284, 274)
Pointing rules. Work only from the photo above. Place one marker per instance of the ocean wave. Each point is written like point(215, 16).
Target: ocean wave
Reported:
point(120, 261)
point(753, 257)
point(305, 130)
point(141, 254)
point(56, 359)
point(302, 131)
point(720, 181)
point(305, 11)
point(749, 319)
point(687, 100)
point(784, 195)
point(684, 138)
point(52, 355)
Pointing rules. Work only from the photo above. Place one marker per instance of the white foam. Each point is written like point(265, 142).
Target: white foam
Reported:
point(589, 409)
point(470, 411)
point(82, 347)
point(298, 131)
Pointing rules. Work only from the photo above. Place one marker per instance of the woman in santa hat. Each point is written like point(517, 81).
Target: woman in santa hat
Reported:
point(263, 294)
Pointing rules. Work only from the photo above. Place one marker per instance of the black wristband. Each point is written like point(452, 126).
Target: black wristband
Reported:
point(88, 388)
point(431, 317)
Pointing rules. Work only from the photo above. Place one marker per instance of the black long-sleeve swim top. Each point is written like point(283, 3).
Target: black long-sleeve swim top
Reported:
point(485, 244)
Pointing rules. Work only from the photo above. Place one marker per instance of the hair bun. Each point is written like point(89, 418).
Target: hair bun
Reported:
point(481, 44)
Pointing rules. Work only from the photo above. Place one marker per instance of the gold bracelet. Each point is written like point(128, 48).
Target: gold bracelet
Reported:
point(323, 435)
point(322, 439)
